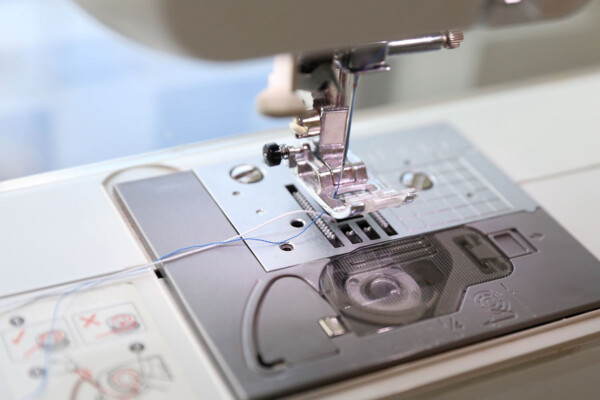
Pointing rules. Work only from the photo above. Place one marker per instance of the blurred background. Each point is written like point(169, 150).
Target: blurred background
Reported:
point(73, 92)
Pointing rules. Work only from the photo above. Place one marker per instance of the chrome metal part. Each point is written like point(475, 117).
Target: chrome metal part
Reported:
point(332, 326)
point(383, 223)
point(372, 57)
point(453, 39)
point(246, 173)
point(288, 246)
point(335, 178)
point(343, 189)
point(365, 58)
point(417, 180)
point(436, 150)
point(432, 41)
point(325, 230)
point(307, 126)
point(292, 151)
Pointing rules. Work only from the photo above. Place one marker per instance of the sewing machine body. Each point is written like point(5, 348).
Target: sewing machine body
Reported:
point(78, 227)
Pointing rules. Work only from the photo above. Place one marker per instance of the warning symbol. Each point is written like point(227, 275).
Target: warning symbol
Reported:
point(110, 322)
point(89, 321)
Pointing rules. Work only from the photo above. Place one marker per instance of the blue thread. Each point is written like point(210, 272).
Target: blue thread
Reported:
point(349, 126)
point(198, 246)
point(46, 345)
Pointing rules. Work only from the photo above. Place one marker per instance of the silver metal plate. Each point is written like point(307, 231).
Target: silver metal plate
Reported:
point(466, 188)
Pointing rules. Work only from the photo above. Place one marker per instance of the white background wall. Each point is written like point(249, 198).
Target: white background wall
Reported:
point(490, 57)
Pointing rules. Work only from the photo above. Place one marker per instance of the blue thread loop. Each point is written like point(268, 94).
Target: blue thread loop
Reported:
point(39, 389)
point(198, 246)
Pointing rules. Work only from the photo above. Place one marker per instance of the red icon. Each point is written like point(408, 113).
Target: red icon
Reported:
point(89, 321)
point(19, 337)
point(24, 343)
point(126, 381)
point(50, 340)
point(122, 322)
point(53, 340)
point(107, 322)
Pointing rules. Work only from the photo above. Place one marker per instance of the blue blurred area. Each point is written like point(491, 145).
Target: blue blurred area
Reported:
point(72, 92)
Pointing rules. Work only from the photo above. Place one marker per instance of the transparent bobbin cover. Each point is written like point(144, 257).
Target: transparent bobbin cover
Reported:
point(408, 280)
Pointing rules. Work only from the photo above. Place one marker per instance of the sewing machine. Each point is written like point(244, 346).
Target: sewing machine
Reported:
point(317, 82)
point(431, 275)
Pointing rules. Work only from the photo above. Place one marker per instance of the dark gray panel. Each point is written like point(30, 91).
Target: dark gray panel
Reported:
point(222, 291)
point(175, 211)
point(287, 329)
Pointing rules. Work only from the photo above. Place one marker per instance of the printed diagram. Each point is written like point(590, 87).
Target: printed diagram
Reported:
point(127, 381)
point(98, 351)
point(102, 324)
point(29, 342)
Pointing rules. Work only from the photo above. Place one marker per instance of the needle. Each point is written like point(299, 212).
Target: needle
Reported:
point(347, 133)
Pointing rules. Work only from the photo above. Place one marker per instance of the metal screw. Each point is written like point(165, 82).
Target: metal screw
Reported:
point(246, 173)
point(453, 39)
point(17, 320)
point(417, 180)
point(136, 347)
point(286, 246)
point(37, 372)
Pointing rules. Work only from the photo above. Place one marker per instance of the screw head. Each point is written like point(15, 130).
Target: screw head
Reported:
point(37, 372)
point(246, 173)
point(16, 321)
point(417, 180)
point(136, 347)
point(453, 39)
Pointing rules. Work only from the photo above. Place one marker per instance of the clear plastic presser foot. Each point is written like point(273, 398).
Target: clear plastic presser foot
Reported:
point(355, 194)
point(318, 167)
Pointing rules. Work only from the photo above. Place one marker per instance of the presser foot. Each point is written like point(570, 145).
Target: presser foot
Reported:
point(362, 199)
point(356, 193)
point(341, 194)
